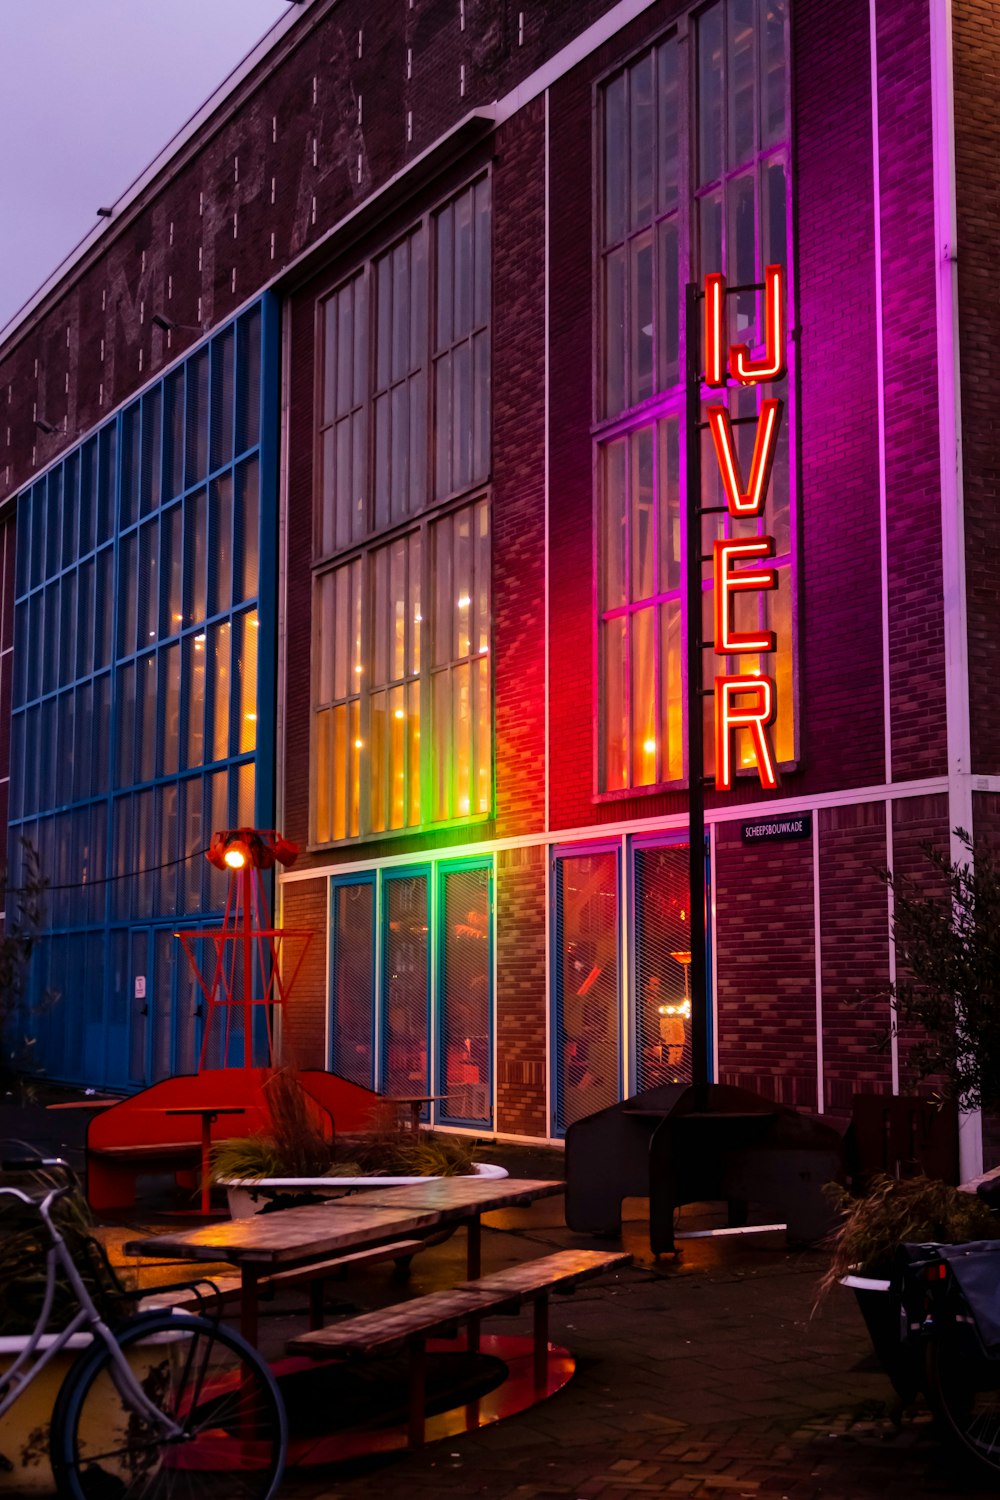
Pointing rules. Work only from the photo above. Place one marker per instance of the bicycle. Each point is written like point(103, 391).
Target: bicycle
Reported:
point(158, 1403)
point(950, 1302)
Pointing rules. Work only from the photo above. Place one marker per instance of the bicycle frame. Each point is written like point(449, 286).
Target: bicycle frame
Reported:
point(33, 1358)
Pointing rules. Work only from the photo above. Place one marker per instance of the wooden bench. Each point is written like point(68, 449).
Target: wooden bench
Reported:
point(409, 1324)
point(214, 1290)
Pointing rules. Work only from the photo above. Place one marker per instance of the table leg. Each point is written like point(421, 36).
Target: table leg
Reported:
point(206, 1180)
point(541, 1342)
point(248, 1304)
point(418, 1392)
point(415, 1117)
point(474, 1249)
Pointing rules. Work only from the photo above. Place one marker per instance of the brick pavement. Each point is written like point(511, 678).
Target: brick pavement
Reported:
point(709, 1378)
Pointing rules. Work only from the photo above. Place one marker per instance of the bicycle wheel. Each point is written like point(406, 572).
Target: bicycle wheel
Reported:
point(207, 1380)
point(963, 1387)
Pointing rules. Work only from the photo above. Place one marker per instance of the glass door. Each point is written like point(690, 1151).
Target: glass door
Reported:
point(465, 993)
point(405, 1066)
point(587, 1035)
point(352, 979)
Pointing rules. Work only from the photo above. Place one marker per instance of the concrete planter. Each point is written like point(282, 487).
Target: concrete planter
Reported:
point(250, 1195)
point(24, 1430)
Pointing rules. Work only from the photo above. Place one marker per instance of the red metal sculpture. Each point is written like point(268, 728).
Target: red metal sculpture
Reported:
point(169, 1126)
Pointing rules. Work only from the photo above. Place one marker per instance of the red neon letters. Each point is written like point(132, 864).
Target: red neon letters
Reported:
point(744, 702)
point(727, 583)
point(771, 364)
point(746, 500)
point(715, 301)
point(755, 716)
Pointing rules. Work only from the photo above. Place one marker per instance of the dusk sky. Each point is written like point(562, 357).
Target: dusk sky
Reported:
point(92, 91)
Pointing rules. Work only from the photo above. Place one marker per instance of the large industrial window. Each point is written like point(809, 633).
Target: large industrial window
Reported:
point(402, 722)
point(143, 668)
point(668, 217)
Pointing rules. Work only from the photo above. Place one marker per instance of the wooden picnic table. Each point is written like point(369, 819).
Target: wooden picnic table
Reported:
point(304, 1236)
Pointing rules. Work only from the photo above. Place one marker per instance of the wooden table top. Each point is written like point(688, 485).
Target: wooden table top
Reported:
point(292, 1234)
point(457, 1195)
point(368, 1218)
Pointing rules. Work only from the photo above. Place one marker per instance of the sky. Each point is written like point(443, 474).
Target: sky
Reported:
point(90, 92)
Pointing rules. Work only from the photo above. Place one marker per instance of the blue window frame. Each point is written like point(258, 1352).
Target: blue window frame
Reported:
point(464, 991)
point(586, 1054)
point(353, 924)
point(659, 959)
point(143, 713)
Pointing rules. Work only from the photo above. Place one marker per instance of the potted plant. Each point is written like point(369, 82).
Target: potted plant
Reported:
point(294, 1162)
point(863, 1248)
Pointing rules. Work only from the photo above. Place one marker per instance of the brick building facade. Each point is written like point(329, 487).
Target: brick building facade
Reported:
point(473, 223)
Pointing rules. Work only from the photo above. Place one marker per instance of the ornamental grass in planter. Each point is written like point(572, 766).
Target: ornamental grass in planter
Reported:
point(296, 1147)
point(914, 1210)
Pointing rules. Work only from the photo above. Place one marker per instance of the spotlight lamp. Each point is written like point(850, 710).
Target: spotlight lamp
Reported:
point(234, 849)
point(47, 427)
point(105, 213)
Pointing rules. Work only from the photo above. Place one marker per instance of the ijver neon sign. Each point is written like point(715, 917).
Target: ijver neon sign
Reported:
point(744, 702)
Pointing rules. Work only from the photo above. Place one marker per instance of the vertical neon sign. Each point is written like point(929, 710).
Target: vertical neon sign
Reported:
point(744, 701)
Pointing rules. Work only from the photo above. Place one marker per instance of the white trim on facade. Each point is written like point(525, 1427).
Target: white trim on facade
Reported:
point(880, 392)
point(610, 831)
point(956, 632)
point(818, 955)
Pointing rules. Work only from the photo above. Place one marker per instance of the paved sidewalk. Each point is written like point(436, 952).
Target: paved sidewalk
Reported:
point(705, 1378)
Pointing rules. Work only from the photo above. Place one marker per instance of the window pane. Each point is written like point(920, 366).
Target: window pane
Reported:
point(614, 332)
point(642, 533)
point(641, 140)
point(223, 360)
point(170, 662)
point(671, 700)
point(353, 982)
point(147, 694)
point(195, 650)
point(641, 291)
point(644, 714)
point(710, 94)
point(742, 114)
point(405, 1061)
point(587, 1043)
point(669, 300)
point(222, 543)
point(668, 126)
point(219, 657)
point(248, 629)
point(615, 704)
point(773, 126)
point(465, 995)
point(248, 529)
point(196, 445)
point(322, 774)
point(615, 160)
point(196, 547)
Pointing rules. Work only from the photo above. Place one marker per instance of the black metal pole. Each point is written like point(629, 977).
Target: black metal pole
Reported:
point(695, 693)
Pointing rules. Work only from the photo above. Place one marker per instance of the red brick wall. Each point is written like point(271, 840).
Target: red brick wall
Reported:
point(917, 822)
point(840, 665)
point(139, 267)
point(766, 970)
point(519, 471)
point(304, 907)
point(913, 490)
point(520, 997)
point(977, 147)
point(854, 927)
